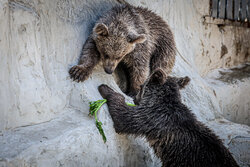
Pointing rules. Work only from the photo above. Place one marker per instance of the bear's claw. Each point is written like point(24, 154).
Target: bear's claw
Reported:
point(78, 73)
point(105, 90)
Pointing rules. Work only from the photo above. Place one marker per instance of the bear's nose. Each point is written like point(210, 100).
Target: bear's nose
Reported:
point(108, 70)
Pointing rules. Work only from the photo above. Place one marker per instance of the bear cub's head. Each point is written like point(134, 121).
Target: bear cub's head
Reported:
point(159, 88)
point(113, 44)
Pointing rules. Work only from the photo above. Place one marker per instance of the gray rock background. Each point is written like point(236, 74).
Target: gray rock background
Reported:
point(44, 115)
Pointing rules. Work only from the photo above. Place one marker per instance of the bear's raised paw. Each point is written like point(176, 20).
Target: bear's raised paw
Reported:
point(79, 73)
point(105, 90)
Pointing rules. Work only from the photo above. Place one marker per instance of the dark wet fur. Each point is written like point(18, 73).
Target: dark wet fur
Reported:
point(172, 130)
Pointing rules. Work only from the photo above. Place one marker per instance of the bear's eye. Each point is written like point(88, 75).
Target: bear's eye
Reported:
point(106, 56)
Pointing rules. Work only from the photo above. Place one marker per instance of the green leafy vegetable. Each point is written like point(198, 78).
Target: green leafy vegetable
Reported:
point(130, 104)
point(99, 127)
point(94, 106)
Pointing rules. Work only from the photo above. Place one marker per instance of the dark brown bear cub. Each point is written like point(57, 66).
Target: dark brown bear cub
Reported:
point(174, 133)
point(133, 36)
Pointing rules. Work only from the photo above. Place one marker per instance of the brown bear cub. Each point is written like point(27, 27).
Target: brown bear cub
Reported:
point(133, 36)
point(171, 129)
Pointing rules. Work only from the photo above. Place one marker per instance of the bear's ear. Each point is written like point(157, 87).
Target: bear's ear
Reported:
point(158, 76)
point(183, 81)
point(101, 29)
point(134, 39)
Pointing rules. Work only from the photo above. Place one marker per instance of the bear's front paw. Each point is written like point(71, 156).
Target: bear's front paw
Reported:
point(105, 90)
point(78, 73)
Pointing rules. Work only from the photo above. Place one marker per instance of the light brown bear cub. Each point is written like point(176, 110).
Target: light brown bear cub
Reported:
point(134, 36)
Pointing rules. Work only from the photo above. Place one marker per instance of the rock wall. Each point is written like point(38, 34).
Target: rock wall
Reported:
point(44, 115)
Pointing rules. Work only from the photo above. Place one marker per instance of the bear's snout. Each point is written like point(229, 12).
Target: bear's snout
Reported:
point(108, 70)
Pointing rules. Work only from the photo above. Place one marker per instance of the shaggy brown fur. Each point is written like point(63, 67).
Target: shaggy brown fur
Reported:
point(174, 133)
point(134, 36)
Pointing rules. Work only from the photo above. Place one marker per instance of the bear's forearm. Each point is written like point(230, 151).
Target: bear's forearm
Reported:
point(116, 103)
point(89, 55)
point(123, 120)
point(88, 60)
point(124, 117)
